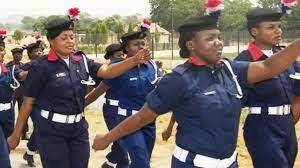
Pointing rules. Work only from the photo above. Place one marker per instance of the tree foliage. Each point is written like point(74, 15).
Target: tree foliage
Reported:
point(18, 35)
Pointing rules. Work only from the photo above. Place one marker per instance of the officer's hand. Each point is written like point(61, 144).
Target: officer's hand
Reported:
point(13, 141)
point(143, 56)
point(166, 134)
point(100, 142)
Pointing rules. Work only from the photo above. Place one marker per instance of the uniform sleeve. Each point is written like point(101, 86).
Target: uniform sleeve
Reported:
point(240, 69)
point(296, 88)
point(114, 83)
point(93, 68)
point(167, 95)
point(35, 81)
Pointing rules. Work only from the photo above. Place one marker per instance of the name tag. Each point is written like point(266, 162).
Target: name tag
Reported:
point(132, 79)
point(62, 74)
point(210, 93)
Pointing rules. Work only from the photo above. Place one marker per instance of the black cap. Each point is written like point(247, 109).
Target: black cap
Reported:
point(55, 26)
point(17, 50)
point(258, 15)
point(112, 49)
point(132, 36)
point(199, 23)
point(33, 46)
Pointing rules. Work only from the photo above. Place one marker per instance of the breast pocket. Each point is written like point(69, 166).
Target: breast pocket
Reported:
point(130, 85)
point(208, 106)
point(59, 80)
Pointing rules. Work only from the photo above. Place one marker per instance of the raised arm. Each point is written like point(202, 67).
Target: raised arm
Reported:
point(117, 69)
point(262, 70)
point(130, 125)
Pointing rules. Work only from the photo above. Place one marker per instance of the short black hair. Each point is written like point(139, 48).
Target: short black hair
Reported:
point(111, 50)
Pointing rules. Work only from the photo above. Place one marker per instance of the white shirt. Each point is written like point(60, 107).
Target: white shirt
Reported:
point(268, 53)
point(67, 60)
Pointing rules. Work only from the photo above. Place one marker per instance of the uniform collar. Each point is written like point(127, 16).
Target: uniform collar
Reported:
point(3, 68)
point(53, 57)
point(76, 56)
point(255, 52)
point(195, 61)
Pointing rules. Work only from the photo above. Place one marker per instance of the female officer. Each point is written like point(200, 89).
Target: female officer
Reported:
point(34, 51)
point(17, 54)
point(117, 156)
point(269, 130)
point(131, 90)
point(55, 88)
point(7, 84)
point(204, 95)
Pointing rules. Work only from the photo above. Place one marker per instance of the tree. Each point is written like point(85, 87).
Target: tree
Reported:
point(119, 29)
point(233, 15)
point(135, 19)
point(268, 3)
point(161, 11)
point(28, 22)
point(88, 36)
point(99, 34)
point(103, 30)
point(18, 35)
point(130, 27)
point(39, 25)
point(85, 21)
point(293, 20)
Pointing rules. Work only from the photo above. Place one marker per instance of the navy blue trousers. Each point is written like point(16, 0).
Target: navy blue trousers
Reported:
point(6, 129)
point(63, 145)
point(32, 142)
point(271, 140)
point(139, 145)
point(118, 155)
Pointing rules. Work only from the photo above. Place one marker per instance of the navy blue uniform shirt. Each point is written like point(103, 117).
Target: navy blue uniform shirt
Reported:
point(204, 103)
point(6, 79)
point(133, 86)
point(56, 86)
point(276, 91)
point(110, 94)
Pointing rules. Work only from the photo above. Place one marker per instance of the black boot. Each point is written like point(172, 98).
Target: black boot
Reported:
point(105, 165)
point(29, 159)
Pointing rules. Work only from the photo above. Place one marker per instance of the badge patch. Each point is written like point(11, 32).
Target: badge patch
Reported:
point(210, 93)
point(132, 79)
point(62, 74)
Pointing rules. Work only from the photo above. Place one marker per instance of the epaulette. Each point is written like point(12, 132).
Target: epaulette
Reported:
point(180, 69)
point(77, 53)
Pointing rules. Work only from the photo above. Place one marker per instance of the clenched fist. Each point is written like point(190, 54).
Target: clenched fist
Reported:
point(100, 142)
